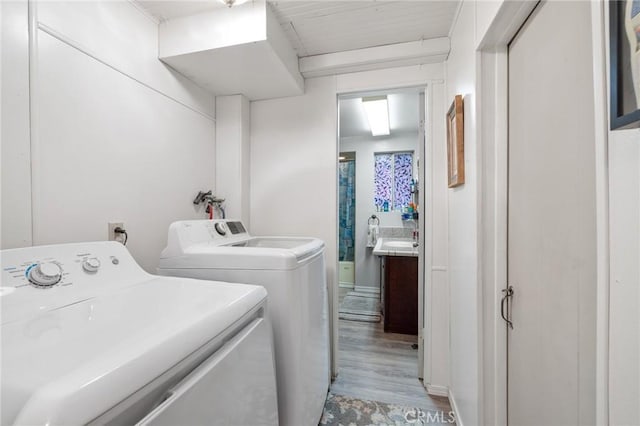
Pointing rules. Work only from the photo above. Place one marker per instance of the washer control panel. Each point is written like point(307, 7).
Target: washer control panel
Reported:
point(46, 277)
point(92, 265)
point(222, 228)
point(184, 234)
point(47, 272)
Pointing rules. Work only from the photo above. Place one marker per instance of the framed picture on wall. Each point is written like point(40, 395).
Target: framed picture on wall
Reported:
point(624, 57)
point(455, 142)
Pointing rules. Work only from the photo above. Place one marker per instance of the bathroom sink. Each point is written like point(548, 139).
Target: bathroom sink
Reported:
point(398, 244)
point(395, 247)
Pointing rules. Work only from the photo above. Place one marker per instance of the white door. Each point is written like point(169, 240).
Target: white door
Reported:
point(552, 220)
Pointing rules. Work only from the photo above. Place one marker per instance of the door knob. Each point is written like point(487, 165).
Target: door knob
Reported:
point(508, 293)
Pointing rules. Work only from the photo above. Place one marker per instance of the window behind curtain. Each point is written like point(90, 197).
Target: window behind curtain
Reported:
point(393, 175)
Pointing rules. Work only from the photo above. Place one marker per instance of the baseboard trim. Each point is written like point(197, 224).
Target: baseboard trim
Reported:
point(454, 408)
point(345, 285)
point(437, 390)
point(367, 289)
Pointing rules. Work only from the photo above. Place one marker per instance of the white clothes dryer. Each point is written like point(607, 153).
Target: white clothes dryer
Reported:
point(293, 272)
point(88, 337)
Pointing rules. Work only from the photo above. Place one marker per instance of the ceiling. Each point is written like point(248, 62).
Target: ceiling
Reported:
point(317, 27)
point(404, 115)
point(325, 26)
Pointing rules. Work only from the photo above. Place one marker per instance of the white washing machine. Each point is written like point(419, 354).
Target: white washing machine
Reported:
point(293, 272)
point(88, 337)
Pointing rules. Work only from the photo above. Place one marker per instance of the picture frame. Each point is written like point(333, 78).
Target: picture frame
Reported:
point(455, 142)
point(624, 64)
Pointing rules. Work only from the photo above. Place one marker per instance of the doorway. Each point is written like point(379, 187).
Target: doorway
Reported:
point(551, 220)
point(379, 200)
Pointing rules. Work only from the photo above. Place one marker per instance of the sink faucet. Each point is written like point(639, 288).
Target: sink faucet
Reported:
point(416, 232)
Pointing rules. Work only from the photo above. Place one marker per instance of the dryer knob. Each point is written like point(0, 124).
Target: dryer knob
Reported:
point(220, 228)
point(45, 274)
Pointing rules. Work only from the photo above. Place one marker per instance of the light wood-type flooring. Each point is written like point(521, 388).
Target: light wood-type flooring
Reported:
point(380, 366)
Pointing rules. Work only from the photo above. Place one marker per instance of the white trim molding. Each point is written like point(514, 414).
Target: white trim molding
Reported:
point(600, 100)
point(429, 51)
point(366, 289)
point(492, 134)
point(437, 390)
point(454, 408)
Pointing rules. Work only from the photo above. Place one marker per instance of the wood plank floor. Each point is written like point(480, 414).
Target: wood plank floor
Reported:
point(381, 367)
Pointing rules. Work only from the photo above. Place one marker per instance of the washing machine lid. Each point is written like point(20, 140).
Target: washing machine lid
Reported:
point(255, 253)
point(70, 364)
point(226, 244)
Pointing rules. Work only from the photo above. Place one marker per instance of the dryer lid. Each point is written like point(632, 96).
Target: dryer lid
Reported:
point(70, 364)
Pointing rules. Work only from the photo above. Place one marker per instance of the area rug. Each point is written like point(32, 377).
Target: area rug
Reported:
point(348, 411)
point(359, 306)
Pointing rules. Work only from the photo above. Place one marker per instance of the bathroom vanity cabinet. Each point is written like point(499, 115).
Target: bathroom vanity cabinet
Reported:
point(400, 294)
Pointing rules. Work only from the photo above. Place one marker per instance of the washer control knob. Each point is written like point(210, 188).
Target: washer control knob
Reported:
point(220, 229)
point(45, 274)
point(91, 265)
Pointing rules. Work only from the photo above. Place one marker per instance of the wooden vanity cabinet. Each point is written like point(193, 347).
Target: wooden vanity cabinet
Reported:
point(400, 294)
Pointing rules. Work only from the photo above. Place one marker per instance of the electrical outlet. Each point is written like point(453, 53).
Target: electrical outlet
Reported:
point(111, 231)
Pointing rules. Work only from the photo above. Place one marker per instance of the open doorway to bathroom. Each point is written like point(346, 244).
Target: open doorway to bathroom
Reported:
point(379, 294)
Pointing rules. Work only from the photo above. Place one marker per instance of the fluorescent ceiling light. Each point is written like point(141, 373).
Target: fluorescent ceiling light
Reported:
point(377, 110)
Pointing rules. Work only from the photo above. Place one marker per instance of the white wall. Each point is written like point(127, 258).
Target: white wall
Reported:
point(233, 128)
point(624, 316)
point(463, 229)
point(294, 157)
point(15, 229)
point(366, 263)
point(624, 257)
point(117, 136)
point(125, 38)
point(293, 170)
